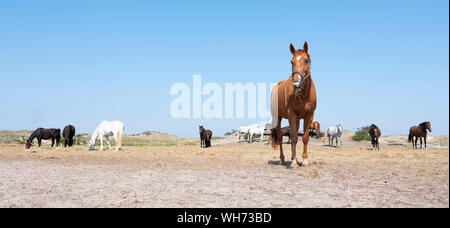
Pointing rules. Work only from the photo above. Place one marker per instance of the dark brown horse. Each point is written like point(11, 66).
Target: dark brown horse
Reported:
point(285, 131)
point(294, 99)
point(419, 132)
point(205, 137)
point(375, 133)
point(41, 133)
point(315, 128)
point(68, 133)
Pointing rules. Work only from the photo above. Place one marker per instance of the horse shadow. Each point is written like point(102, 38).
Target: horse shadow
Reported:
point(286, 164)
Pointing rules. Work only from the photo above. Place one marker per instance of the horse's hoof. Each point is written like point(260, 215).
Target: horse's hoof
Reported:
point(305, 163)
point(294, 165)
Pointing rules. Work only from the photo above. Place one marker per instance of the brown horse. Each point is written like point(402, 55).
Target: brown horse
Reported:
point(294, 99)
point(315, 128)
point(205, 137)
point(419, 132)
point(375, 133)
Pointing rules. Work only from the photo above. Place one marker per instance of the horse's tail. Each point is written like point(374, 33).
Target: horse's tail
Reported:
point(120, 136)
point(58, 133)
point(274, 137)
point(410, 137)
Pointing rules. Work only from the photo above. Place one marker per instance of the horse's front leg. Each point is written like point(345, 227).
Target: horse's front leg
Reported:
point(294, 125)
point(53, 142)
point(425, 141)
point(306, 122)
point(101, 142)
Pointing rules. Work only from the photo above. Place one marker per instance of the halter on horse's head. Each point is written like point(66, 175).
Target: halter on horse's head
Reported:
point(301, 66)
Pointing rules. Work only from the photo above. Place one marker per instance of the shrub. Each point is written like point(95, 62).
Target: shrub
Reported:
point(362, 134)
point(228, 133)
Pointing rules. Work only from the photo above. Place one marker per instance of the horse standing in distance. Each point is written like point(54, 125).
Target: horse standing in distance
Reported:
point(315, 127)
point(68, 134)
point(107, 129)
point(419, 132)
point(205, 137)
point(375, 134)
point(335, 132)
point(285, 131)
point(42, 133)
point(294, 99)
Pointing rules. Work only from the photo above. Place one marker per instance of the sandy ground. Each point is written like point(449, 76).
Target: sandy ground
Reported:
point(227, 175)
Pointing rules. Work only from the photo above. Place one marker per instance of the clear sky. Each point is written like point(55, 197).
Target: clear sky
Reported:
point(80, 62)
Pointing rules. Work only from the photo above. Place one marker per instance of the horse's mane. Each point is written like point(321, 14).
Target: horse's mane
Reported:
point(375, 126)
point(424, 123)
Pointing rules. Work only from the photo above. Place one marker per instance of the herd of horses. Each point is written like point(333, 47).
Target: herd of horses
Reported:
point(292, 99)
point(104, 129)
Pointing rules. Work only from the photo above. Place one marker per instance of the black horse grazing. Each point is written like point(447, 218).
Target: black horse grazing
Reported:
point(375, 133)
point(68, 133)
point(45, 134)
point(205, 137)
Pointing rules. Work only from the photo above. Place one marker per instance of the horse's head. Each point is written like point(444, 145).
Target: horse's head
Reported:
point(301, 64)
point(200, 129)
point(28, 144)
point(91, 144)
point(340, 129)
point(427, 125)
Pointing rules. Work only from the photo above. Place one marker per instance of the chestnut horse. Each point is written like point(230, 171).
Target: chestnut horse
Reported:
point(375, 134)
point(315, 127)
point(419, 132)
point(294, 99)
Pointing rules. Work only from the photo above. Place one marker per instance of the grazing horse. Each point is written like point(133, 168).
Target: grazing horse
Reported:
point(106, 129)
point(375, 134)
point(244, 130)
point(42, 133)
point(294, 99)
point(419, 132)
point(315, 127)
point(205, 137)
point(259, 130)
point(335, 132)
point(68, 133)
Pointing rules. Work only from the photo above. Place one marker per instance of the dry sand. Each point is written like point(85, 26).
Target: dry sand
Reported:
point(226, 175)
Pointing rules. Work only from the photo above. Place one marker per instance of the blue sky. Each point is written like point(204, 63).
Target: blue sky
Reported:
point(80, 62)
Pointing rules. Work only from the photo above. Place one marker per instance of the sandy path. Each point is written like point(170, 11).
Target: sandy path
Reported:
point(223, 176)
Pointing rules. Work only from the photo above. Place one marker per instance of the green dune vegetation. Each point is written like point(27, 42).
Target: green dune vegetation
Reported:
point(148, 138)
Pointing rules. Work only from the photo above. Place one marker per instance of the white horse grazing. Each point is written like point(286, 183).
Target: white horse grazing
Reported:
point(335, 132)
point(244, 130)
point(258, 130)
point(106, 128)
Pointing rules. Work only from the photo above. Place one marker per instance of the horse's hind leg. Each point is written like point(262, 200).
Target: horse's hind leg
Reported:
point(53, 142)
point(415, 142)
point(280, 140)
point(108, 142)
